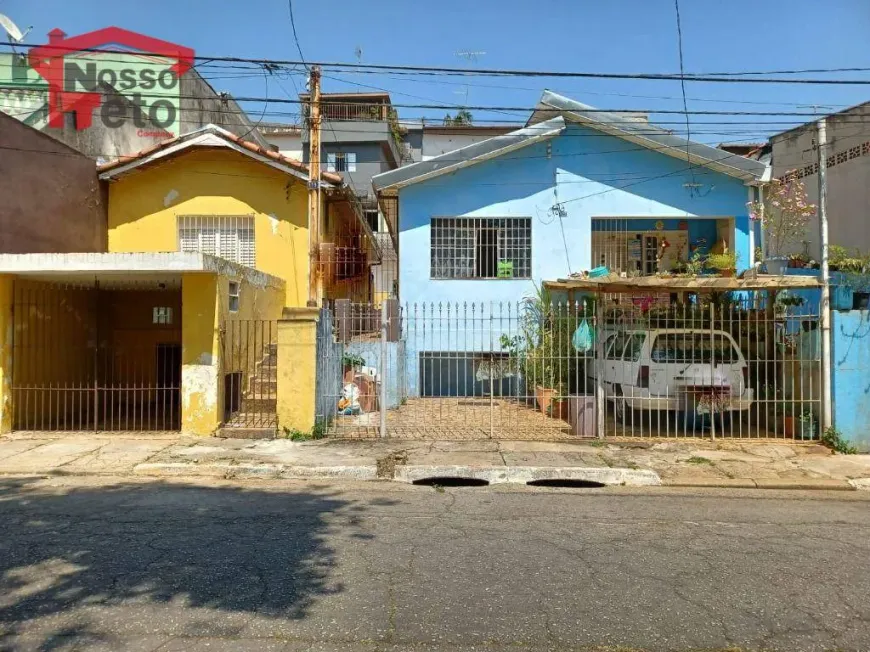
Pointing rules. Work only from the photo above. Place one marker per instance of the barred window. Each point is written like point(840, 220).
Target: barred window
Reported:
point(229, 237)
point(481, 247)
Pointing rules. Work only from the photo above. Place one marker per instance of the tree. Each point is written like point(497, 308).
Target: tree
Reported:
point(462, 118)
point(785, 214)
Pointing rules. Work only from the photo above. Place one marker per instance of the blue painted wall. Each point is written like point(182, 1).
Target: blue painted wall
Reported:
point(591, 174)
point(851, 382)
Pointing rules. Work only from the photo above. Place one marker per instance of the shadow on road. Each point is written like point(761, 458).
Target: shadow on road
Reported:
point(237, 550)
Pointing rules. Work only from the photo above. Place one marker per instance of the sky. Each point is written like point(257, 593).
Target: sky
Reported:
point(625, 36)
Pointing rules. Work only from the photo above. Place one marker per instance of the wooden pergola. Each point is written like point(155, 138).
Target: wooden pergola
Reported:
point(616, 284)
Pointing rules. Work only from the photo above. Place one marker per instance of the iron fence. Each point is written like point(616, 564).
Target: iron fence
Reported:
point(249, 363)
point(732, 366)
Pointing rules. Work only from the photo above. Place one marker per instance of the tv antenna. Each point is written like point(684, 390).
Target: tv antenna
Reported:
point(472, 56)
point(14, 34)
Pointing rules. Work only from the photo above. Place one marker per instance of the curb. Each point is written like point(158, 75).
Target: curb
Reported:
point(254, 471)
point(524, 474)
point(817, 484)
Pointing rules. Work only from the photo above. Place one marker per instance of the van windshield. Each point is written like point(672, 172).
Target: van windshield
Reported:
point(694, 348)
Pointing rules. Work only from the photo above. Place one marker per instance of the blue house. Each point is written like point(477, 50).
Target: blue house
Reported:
point(575, 189)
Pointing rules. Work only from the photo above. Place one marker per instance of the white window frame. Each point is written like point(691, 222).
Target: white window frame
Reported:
point(347, 162)
point(234, 293)
point(231, 237)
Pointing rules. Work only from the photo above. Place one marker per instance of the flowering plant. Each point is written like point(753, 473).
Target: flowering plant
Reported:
point(785, 212)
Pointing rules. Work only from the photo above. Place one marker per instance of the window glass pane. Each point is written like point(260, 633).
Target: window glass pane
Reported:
point(617, 347)
point(634, 346)
point(330, 162)
point(350, 160)
point(693, 348)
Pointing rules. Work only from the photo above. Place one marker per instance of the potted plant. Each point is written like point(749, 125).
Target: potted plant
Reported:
point(725, 263)
point(797, 261)
point(350, 363)
point(785, 214)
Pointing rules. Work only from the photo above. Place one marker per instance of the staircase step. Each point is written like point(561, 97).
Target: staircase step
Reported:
point(247, 432)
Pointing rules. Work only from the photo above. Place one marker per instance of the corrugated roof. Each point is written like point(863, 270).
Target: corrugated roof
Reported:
point(205, 137)
point(647, 135)
point(469, 155)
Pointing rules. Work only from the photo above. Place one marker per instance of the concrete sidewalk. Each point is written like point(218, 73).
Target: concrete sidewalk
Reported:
point(674, 463)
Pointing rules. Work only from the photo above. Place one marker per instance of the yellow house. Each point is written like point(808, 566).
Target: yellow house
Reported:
point(175, 327)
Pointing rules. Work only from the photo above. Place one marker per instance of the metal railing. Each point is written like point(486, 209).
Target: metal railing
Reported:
point(736, 367)
point(250, 371)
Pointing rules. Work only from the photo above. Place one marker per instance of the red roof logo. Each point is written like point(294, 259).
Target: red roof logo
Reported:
point(49, 61)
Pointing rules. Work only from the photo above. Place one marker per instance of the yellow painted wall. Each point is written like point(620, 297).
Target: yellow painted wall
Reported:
point(5, 353)
point(201, 398)
point(144, 207)
point(297, 369)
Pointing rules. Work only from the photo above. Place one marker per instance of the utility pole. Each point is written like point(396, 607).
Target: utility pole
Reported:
point(825, 306)
point(314, 119)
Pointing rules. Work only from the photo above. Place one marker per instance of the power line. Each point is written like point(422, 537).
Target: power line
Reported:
point(683, 82)
point(729, 77)
point(295, 36)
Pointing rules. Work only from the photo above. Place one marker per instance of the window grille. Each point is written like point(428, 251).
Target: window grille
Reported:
point(228, 237)
point(482, 248)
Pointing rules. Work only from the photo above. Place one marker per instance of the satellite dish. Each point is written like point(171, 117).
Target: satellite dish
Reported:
point(11, 29)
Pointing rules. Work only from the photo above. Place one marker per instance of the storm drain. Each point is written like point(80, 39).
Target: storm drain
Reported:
point(566, 483)
point(451, 482)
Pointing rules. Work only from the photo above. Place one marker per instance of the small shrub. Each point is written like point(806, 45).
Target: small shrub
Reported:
point(698, 460)
point(833, 439)
point(294, 434)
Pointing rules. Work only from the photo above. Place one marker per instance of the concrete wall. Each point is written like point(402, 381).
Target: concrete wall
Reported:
point(288, 145)
point(202, 105)
point(370, 160)
point(52, 200)
point(144, 207)
point(848, 190)
point(437, 141)
point(591, 174)
point(850, 336)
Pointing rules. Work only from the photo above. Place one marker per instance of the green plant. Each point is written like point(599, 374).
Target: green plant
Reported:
point(695, 264)
point(724, 261)
point(833, 439)
point(352, 360)
point(698, 460)
point(785, 214)
point(317, 432)
point(462, 118)
point(543, 349)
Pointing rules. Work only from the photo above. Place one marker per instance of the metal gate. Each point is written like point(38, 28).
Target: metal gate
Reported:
point(87, 358)
point(460, 371)
point(249, 362)
point(723, 366)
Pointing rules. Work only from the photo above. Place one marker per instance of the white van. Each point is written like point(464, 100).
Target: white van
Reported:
point(647, 369)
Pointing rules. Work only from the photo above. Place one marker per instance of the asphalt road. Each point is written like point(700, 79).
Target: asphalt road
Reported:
point(143, 566)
